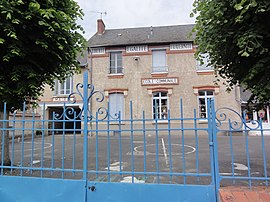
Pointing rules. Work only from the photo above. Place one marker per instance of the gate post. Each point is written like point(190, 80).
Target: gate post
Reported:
point(213, 143)
point(85, 129)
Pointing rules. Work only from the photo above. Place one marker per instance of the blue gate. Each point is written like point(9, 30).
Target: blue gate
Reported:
point(110, 158)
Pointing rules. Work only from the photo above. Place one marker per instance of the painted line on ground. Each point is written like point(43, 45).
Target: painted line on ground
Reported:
point(164, 151)
point(137, 149)
point(239, 166)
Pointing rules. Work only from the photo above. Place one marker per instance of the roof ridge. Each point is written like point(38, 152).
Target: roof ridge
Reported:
point(143, 27)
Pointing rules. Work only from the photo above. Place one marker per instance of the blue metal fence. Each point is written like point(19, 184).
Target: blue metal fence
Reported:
point(246, 143)
point(109, 158)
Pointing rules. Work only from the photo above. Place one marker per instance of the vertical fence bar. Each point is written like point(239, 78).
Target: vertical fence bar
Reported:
point(183, 141)
point(144, 146)
point(120, 143)
point(231, 149)
point(170, 143)
point(215, 146)
point(97, 166)
point(157, 146)
point(23, 131)
point(211, 143)
point(12, 141)
point(63, 140)
point(32, 142)
point(74, 144)
point(263, 153)
point(108, 149)
point(42, 141)
point(4, 128)
point(85, 129)
point(197, 144)
point(131, 141)
point(247, 151)
point(53, 145)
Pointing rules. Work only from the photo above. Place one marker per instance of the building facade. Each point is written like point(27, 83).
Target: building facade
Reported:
point(154, 67)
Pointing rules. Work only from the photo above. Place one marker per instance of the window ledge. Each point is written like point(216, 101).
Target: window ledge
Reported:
point(116, 124)
point(205, 72)
point(160, 121)
point(159, 74)
point(202, 121)
point(115, 76)
point(61, 95)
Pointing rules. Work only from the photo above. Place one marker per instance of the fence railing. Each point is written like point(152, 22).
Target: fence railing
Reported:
point(129, 150)
point(247, 148)
point(80, 144)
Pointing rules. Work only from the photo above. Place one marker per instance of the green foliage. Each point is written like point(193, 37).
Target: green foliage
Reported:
point(39, 42)
point(236, 34)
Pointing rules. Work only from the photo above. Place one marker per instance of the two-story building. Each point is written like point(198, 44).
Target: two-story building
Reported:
point(154, 67)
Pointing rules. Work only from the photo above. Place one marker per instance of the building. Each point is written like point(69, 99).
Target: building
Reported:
point(255, 112)
point(154, 67)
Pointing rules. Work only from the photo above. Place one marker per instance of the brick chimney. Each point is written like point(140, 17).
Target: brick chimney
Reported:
point(100, 26)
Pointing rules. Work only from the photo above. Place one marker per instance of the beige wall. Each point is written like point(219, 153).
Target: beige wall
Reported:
point(49, 93)
point(180, 64)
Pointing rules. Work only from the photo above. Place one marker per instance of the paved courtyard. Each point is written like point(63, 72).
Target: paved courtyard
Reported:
point(143, 159)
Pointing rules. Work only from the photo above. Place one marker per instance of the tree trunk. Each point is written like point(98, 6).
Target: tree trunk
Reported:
point(4, 125)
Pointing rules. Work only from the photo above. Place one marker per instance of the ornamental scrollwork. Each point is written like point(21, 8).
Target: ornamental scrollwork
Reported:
point(236, 122)
point(69, 113)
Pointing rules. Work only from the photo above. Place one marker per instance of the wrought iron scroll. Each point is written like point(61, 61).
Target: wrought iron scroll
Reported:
point(93, 95)
point(237, 122)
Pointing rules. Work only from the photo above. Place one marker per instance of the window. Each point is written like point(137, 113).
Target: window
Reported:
point(160, 105)
point(202, 65)
point(63, 88)
point(116, 63)
point(159, 61)
point(257, 113)
point(116, 105)
point(204, 95)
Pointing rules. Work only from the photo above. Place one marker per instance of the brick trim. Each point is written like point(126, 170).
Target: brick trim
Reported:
point(115, 90)
point(115, 76)
point(206, 72)
point(214, 88)
point(157, 75)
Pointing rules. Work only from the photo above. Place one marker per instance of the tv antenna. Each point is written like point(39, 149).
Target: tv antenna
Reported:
point(99, 12)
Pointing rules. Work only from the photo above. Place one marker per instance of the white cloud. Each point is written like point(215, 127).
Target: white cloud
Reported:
point(135, 13)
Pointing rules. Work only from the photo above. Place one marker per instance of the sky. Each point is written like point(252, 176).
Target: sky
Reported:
point(134, 13)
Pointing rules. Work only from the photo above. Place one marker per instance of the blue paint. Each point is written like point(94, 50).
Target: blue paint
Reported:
point(183, 139)
point(231, 149)
point(170, 143)
point(144, 146)
point(247, 152)
point(197, 143)
point(263, 153)
point(149, 192)
point(38, 189)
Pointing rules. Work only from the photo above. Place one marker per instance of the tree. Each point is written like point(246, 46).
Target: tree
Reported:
point(39, 42)
point(236, 35)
